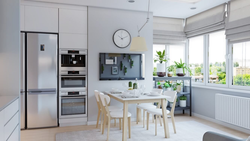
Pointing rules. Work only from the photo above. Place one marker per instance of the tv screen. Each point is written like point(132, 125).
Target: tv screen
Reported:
point(118, 66)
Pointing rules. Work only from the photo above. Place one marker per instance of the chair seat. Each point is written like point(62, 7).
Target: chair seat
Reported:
point(114, 108)
point(118, 114)
point(146, 106)
point(156, 111)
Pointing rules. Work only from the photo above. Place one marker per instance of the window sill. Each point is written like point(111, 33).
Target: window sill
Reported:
point(221, 89)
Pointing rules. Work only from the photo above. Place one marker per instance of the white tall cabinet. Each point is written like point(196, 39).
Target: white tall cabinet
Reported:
point(73, 28)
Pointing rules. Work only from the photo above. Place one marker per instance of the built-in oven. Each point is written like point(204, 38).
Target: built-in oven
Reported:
point(72, 106)
point(73, 60)
point(68, 82)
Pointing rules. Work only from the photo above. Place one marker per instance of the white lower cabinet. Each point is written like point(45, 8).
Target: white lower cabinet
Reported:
point(9, 122)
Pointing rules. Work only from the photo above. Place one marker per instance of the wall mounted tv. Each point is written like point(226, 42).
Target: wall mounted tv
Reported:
point(122, 66)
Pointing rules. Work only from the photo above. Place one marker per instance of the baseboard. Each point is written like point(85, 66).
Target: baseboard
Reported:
point(223, 123)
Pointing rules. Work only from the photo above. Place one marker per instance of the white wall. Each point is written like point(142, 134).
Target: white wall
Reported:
point(9, 47)
point(102, 23)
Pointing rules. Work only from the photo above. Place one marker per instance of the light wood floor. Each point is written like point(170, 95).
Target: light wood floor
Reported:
point(49, 134)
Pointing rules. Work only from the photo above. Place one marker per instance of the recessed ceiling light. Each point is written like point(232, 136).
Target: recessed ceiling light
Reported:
point(193, 8)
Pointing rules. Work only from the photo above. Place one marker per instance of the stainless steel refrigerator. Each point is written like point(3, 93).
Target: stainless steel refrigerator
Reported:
point(39, 80)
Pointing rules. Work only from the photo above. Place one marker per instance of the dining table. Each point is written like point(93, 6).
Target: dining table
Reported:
point(141, 99)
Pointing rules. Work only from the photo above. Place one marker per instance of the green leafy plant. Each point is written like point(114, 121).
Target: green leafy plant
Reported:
point(160, 57)
point(121, 66)
point(131, 63)
point(182, 65)
point(102, 68)
point(155, 71)
point(125, 69)
point(171, 68)
point(158, 83)
point(166, 85)
point(183, 97)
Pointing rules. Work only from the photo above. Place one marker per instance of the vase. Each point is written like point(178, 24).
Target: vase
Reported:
point(179, 72)
point(183, 103)
point(161, 70)
point(170, 74)
point(178, 88)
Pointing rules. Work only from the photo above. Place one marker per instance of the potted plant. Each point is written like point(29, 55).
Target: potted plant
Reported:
point(168, 85)
point(159, 85)
point(183, 101)
point(170, 70)
point(181, 68)
point(171, 103)
point(161, 58)
point(178, 87)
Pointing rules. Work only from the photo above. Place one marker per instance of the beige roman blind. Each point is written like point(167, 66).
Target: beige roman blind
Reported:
point(206, 22)
point(168, 31)
point(238, 22)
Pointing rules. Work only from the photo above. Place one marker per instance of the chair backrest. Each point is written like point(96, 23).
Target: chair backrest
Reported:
point(171, 94)
point(105, 99)
point(96, 95)
point(158, 91)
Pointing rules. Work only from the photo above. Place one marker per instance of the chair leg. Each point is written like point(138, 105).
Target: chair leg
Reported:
point(115, 122)
point(137, 115)
point(101, 121)
point(104, 123)
point(173, 122)
point(98, 118)
point(156, 125)
point(147, 120)
point(108, 128)
point(120, 124)
point(160, 120)
point(129, 127)
point(144, 111)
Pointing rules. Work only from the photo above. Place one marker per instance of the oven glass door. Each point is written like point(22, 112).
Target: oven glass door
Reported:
point(73, 60)
point(75, 105)
point(73, 81)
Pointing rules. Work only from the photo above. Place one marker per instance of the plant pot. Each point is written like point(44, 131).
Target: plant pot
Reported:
point(183, 103)
point(179, 72)
point(179, 88)
point(161, 70)
point(170, 74)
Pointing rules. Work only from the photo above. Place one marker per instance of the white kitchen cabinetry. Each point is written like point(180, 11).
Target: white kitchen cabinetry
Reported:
point(73, 28)
point(72, 21)
point(22, 18)
point(73, 41)
point(9, 123)
point(41, 19)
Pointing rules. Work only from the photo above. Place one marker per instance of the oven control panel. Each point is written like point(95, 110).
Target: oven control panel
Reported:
point(72, 93)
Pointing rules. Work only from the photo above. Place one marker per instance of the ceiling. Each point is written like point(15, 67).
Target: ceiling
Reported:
point(162, 8)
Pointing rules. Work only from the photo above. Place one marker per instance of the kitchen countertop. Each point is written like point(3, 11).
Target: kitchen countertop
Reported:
point(6, 100)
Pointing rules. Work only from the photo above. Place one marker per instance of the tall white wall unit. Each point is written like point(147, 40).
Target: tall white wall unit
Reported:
point(39, 19)
point(73, 28)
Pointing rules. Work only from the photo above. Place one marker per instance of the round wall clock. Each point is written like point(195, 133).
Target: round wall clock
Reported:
point(122, 38)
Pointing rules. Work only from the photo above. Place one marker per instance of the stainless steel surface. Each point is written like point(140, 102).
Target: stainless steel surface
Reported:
point(22, 79)
point(73, 107)
point(62, 88)
point(41, 80)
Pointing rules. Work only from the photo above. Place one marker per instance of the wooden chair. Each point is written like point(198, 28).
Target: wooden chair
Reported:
point(158, 112)
point(111, 108)
point(146, 106)
point(112, 114)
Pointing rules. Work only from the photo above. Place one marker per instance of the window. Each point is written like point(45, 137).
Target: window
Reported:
point(241, 64)
point(216, 58)
point(175, 53)
point(156, 48)
point(196, 55)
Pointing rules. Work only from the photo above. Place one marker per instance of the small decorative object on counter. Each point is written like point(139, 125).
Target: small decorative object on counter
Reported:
point(170, 70)
point(130, 85)
point(183, 101)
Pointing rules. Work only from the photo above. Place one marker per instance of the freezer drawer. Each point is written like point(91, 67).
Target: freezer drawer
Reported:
point(41, 109)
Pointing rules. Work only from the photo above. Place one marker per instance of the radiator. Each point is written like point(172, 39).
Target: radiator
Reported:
point(233, 109)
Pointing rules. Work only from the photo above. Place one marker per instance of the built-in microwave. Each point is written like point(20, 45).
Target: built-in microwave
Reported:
point(68, 82)
point(73, 60)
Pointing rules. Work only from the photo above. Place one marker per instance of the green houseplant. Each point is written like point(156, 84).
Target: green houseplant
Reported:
point(161, 58)
point(167, 85)
point(181, 67)
point(183, 101)
point(170, 70)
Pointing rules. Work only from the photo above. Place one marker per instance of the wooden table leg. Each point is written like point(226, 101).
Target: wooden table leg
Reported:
point(139, 115)
point(125, 121)
point(165, 118)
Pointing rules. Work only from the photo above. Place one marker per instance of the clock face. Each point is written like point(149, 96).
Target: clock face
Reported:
point(122, 38)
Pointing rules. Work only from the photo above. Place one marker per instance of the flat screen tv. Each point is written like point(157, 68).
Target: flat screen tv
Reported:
point(122, 66)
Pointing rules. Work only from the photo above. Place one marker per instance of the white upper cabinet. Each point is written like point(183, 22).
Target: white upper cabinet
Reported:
point(41, 19)
point(72, 21)
point(22, 18)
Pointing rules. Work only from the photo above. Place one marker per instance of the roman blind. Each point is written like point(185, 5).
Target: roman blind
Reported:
point(168, 31)
point(206, 22)
point(238, 22)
